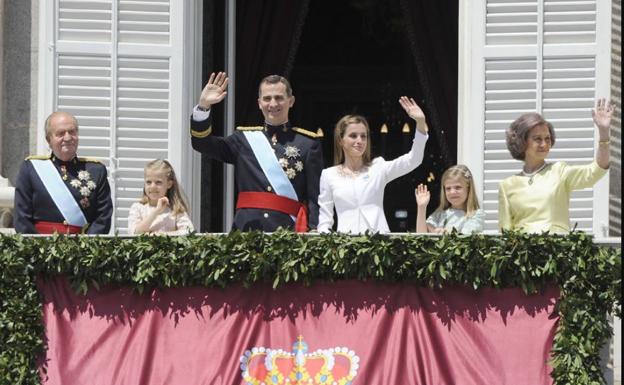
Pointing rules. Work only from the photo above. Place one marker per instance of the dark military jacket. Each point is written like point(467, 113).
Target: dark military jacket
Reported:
point(297, 150)
point(87, 181)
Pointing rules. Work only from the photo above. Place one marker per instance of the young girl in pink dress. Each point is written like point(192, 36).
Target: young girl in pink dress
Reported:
point(162, 209)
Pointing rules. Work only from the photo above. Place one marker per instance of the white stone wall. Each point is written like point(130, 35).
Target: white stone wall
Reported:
point(19, 83)
point(6, 193)
point(18, 74)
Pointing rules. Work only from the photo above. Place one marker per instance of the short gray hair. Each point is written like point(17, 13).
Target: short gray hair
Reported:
point(48, 121)
point(518, 133)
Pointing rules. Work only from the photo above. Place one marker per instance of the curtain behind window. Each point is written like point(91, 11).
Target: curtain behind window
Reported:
point(267, 38)
point(431, 28)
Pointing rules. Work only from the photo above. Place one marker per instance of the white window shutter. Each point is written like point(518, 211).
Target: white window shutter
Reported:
point(119, 66)
point(549, 56)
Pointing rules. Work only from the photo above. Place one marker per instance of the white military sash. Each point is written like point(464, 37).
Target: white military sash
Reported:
point(270, 166)
point(58, 190)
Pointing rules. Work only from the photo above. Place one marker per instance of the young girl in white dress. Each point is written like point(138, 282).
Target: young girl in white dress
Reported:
point(459, 206)
point(162, 209)
point(355, 185)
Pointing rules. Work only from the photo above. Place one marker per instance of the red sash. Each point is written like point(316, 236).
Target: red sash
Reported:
point(55, 227)
point(270, 201)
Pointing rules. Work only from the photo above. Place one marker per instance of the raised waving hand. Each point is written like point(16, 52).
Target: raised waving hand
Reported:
point(602, 114)
point(415, 112)
point(214, 91)
point(422, 196)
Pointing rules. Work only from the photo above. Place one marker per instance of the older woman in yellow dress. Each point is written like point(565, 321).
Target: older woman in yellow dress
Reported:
point(538, 198)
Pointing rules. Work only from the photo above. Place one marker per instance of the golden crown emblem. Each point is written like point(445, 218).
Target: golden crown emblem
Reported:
point(334, 366)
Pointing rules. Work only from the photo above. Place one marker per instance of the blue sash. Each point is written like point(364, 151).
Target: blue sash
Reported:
point(269, 164)
point(58, 190)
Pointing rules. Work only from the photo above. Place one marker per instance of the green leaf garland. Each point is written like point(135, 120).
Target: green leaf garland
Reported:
point(588, 275)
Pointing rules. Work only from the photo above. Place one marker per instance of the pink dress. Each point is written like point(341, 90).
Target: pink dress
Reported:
point(165, 222)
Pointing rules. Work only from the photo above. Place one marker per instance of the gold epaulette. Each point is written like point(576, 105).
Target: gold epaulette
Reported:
point(305, 132)
point(250, 128)
point(92, 160)
point(38, 157)
point(201, 134)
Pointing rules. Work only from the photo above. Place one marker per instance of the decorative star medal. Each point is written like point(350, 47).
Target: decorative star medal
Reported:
point(85, 187)
point(292, 152)
point(290, 162)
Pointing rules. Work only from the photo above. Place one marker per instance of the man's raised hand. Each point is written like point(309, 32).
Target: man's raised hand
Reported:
point(214, 91)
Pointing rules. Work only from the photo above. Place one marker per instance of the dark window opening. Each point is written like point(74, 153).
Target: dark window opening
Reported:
point(356, 56)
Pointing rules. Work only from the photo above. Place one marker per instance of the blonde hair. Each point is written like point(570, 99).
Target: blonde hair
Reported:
point(177, 202)
point(339, 133)
point(463, 173)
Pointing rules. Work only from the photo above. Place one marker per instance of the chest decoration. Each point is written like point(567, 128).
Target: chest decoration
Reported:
point(84, 185)
point(291, 161)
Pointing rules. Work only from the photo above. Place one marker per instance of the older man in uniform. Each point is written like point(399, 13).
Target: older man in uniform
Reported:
point(278, 166)
point(61, 192)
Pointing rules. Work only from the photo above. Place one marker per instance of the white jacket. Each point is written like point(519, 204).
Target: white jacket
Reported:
point(359, 200)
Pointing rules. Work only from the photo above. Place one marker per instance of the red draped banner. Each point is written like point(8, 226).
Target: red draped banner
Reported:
point(341, 333)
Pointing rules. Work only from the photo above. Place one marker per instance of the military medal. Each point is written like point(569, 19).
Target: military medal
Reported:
point(63, 169)
point(292, 152)
point(291, 162)
point(85, 187)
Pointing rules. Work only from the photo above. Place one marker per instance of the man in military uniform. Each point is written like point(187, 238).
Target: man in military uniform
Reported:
point(61, 192)
point(278, 166)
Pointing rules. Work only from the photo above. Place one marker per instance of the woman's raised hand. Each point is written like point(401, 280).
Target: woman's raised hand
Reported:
point(415, 112)
point(412, 109)
point(602, 113)
point(214, 91)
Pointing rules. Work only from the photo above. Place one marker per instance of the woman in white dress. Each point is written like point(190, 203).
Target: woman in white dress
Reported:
point(355, 185)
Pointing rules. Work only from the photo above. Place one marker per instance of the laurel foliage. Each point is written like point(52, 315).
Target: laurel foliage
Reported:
point(589, 277)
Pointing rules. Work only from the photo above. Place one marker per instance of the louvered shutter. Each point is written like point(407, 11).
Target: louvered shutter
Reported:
point(549, 56)
point(119, 67)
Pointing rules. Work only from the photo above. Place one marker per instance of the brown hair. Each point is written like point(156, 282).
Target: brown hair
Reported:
point(462, 172)
point(274, 79)
point(518, 133)
point(339, 133)
point(177, 202)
